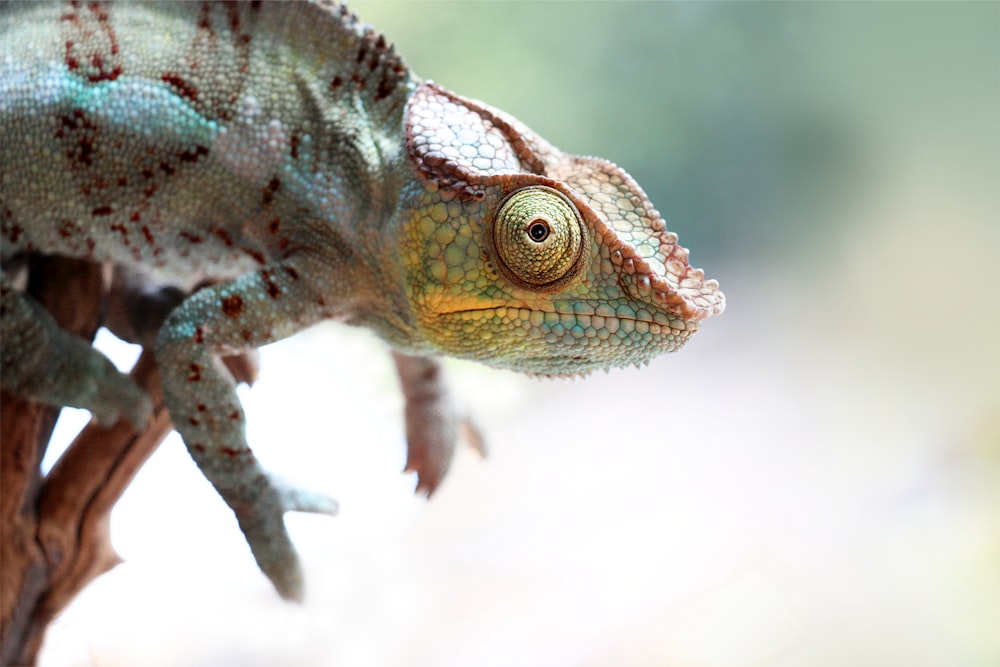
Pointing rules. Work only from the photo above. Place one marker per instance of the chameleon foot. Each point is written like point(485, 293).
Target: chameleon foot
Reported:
point(52, 366)
point(90, 381)
point(120, 398)
point(262, 523)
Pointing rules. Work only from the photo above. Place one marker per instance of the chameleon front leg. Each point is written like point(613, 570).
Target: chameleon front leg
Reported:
point(432, 422)
point(138, 306)
point(250, 311)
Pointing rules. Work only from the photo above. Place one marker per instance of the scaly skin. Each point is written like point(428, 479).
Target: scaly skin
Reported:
point(284, 160)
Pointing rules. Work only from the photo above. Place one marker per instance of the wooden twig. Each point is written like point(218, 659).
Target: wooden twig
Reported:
point(54, 538)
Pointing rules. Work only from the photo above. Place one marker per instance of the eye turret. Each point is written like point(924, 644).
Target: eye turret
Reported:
point(539, 238)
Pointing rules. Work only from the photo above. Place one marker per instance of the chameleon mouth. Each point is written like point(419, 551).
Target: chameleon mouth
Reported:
point(600, 317)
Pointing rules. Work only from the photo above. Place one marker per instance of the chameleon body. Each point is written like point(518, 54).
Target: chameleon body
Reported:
point(285, 161)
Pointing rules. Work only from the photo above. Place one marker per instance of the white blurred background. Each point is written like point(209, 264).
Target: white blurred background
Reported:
point(814, 481)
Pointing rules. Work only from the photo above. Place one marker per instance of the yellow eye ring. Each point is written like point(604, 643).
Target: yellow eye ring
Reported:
point(538, 238)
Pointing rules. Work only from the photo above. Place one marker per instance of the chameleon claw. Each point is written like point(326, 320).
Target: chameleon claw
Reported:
point(301, 500)
point(430, 458)
point(474, 437)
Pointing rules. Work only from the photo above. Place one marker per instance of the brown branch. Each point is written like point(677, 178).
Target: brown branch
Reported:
point(55, 537)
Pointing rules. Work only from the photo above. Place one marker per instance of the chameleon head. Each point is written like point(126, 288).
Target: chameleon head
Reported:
point(524, 257)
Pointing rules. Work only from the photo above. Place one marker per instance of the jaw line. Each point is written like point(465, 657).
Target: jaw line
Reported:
point(461, 311)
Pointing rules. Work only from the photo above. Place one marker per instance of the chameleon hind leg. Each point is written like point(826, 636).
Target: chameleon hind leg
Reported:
point(250, 311)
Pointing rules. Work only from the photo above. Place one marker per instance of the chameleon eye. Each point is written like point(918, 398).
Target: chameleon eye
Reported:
point(539, 237)
point(539, 230)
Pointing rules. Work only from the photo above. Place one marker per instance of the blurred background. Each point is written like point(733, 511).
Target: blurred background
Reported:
point(813, 481)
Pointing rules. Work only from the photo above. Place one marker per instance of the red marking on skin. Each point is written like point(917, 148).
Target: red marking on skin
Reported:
point(234, 17)
point(102, 17)
point(224, 237)
point(102, 210)
point(273, 226)
point(321, 302)
point(271, 190)
point(195, 373)
point(199, 337)
point(247, 335)
point(14, 233)
point(184, 89)
point(122, 181)
point(68, 228)
point(361, 53)
point(337, 82)
point(64, 123)
point(234, 415)
point(194, 421)
point(229, 451)
point(202, 407)
point(232, 306)
point(385, 87)
point(88, 36)
point(292, 273)
point(135, 217)
point(358, 80)
point(240, 40)
point(198, 447)
point(190, 238)
point(273, 289)
point(147, 173)
point(98, 62)
point(203, 22)
point(257, 255)
point(72, 63)
point(77, 126)
point(195, 155)
point(167, 168)
point(293, 143)
point(219, 103)
point(149, 235)
point(149, 191)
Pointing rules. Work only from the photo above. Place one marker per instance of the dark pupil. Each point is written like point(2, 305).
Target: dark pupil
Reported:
point(538, 231)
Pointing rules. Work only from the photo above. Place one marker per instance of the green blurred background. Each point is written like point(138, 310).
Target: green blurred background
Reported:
point(814, 480)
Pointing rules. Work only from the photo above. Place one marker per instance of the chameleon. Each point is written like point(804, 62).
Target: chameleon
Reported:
point(274, 165)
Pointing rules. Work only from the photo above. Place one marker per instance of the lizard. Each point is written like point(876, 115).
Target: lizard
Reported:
point(275, 165)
